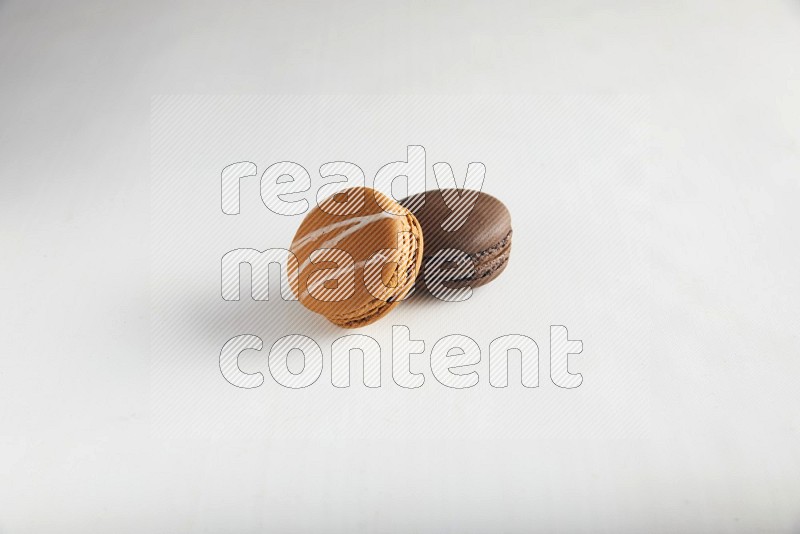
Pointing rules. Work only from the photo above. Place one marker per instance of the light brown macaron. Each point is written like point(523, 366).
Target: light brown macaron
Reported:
point(358, 255)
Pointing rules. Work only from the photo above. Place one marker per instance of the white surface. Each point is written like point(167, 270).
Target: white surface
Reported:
point(81, 441)
point(573, 172)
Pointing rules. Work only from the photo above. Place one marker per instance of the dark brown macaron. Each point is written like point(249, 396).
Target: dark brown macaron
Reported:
point(483, 234)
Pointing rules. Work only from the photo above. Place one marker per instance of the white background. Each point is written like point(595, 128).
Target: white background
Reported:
point(574, 174)
point(83, 444)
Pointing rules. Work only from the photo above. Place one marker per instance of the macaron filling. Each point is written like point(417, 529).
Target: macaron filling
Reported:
point(485, 262)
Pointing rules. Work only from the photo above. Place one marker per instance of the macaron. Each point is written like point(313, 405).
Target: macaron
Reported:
point(358, 255)
point(482, 234)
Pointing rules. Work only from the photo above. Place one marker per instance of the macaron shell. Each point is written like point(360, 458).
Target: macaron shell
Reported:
point(375, 309)
point(375, 288)
point(486, 225)
point(484, 233)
